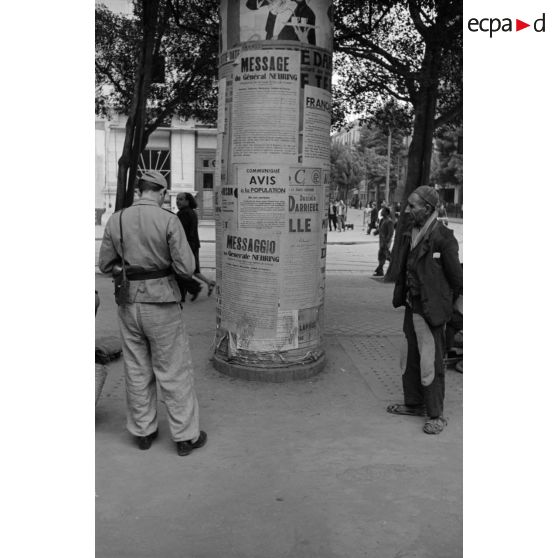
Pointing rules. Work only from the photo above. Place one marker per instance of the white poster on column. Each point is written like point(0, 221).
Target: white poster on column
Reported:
point(262, 197)
point(250, 283)
point(266, 97)
point(303, 21)
point(316, 125)
point(225, 222)
point(221, 105)
point(300, 266)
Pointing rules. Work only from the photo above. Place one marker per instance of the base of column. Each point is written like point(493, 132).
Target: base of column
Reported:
point(269, 374)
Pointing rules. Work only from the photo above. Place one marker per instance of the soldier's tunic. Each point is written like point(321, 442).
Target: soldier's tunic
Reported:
point(154, 340)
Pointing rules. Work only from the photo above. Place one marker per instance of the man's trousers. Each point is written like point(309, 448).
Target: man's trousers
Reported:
point(424, 373)
point(155, 347)
point(383, 255)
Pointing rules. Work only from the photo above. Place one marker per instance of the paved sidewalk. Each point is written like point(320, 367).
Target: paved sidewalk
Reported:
point(309, 469)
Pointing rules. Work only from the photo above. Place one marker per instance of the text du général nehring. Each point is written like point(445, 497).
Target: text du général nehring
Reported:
point(257, 249)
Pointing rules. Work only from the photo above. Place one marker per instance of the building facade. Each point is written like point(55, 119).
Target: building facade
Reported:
point(347, 136)
point(184, 153)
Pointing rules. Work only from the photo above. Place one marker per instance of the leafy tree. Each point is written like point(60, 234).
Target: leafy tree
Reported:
point(347, 168)
point(447, 161)
point(406, 50)
point(373, 145)
point(158, 62)
point(368, 160)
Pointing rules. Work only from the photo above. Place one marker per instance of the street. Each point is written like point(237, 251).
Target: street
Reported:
point(314, 468)
point(351, 251)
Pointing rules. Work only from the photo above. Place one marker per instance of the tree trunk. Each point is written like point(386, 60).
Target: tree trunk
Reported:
point(124, 160)
point(420, 150)
point(135, 139)
point(388, 166)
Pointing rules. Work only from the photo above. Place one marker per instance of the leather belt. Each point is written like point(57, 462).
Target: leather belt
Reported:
point(142, 275)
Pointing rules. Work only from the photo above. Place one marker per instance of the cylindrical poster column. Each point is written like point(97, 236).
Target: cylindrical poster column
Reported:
point(272, 187)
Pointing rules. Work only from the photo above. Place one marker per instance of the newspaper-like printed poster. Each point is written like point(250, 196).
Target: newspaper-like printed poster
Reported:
point(249, 285)
point(317, 122)
point(273, 127)
point(301, 243)
point(262, 197)
point(265, 97)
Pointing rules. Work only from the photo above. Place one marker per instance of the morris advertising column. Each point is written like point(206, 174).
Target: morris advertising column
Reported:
point(272, 187)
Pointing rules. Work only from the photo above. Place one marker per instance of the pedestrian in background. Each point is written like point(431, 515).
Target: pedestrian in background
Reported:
point(341, 215)
point(385, 231)
point(332, 216)
point(188, 216)
point(397, 213)
point(443, 214)
point(373, 218)
point(369, 216)
point(149, 243)
point(383, 204)
point(430, 287)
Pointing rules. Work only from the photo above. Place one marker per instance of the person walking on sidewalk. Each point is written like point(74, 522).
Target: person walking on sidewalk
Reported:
point(443, 214)
point(373, 218)
point(341, 214)
point(332, 216)
point(187, 205)
point(369, 217)
point(430, 286)
point(151, 245)
point(385, 231)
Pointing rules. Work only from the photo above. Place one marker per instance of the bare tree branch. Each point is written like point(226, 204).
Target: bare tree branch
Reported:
point(415, 12)
point(111, 79)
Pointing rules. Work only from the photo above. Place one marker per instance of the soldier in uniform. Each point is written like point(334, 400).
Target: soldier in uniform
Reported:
point(154, 340)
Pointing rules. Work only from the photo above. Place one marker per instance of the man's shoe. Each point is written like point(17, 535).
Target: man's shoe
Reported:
point(195, 295)
point(434, 425)
point(144, 442)
point(378, 273)
point(186, 447)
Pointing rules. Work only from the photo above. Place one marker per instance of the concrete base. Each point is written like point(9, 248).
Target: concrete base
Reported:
point(268, 374)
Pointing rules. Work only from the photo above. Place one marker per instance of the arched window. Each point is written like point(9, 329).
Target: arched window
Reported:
point(156, 159)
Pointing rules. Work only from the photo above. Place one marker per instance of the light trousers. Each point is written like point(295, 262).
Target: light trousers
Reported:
point(423, 366)
point(155, 349)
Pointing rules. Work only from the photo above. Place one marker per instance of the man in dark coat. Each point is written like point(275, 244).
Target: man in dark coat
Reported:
point(373, 218)
point(332, 215)
point(190, 225)
point(385, 230)
point(187, 205)
point(430, 286)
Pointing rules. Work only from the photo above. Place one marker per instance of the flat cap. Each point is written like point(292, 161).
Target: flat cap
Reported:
point(155, 177)
point(428, 195)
